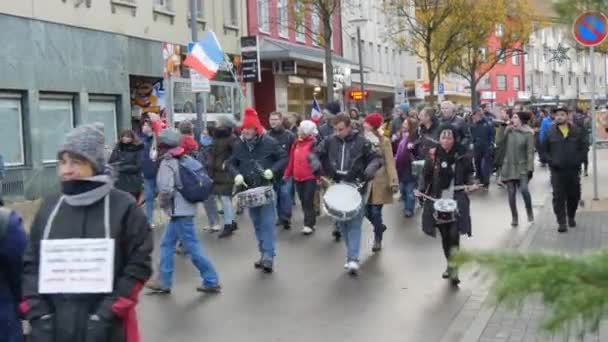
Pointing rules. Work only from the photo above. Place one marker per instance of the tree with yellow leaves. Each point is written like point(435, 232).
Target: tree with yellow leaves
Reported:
point(504, 25)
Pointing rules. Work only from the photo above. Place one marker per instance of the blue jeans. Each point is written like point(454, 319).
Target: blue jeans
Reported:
point(351, 233)
point(182, 229)
point(408, 198)
point(150, 191)
point(284, 191)
point(373, 212)
point(264, 219)
point(227, 208)
point(211, 210)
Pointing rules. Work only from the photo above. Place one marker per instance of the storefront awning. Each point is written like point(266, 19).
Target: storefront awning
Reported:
point(272, 49)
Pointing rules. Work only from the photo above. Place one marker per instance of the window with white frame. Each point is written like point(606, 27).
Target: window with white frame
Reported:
point(164, 4)
point(283, 18)
point(57, 118)
point(370, 62)
point(380, 64)
point(353, 48)
point(387, 58)
point(500, 30)
point(263, 20)
point(11, 129)
point(516, 83)
point(231, 17)
point(315, 22)
point(500, 56)
point(501, 82)
point(515, 58)
point(300, 16)
point(200, 9)
point(103, 109)
point(483, 54)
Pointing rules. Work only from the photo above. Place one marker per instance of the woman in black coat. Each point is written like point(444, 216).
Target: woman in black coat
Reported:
point(448, 166)
point(126, 161)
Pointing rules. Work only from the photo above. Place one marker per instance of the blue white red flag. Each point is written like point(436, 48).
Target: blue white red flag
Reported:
point(206, 56)
point(315, 113)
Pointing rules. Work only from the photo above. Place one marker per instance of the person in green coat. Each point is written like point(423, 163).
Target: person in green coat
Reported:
point(517, 165)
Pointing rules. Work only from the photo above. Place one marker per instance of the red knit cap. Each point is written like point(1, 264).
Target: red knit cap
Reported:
point(374, 119)
point(251, 120)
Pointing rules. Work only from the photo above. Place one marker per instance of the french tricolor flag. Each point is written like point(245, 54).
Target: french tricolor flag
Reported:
point(206, 56)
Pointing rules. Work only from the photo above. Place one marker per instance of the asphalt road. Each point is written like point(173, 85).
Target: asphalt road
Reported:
point(399, 295)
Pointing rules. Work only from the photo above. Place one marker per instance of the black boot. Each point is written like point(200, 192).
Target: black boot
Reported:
point(514, 222)
point(454, 280)
point(530, 215)
point(446, 273)
point(235, 226)
point(562, 228)
point(571, 222)
point(227, 231)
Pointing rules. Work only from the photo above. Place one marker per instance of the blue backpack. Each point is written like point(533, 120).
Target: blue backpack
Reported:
point(196, 184)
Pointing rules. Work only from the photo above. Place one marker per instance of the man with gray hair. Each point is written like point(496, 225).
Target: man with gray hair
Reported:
point(449, 119)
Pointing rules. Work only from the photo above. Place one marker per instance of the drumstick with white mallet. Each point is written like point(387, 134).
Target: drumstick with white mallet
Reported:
point(467, 188)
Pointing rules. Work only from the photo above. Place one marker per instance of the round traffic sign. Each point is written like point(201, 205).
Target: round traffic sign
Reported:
point(590, 29)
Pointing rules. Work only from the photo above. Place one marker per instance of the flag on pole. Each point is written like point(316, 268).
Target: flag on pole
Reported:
point(315, 113)
point(206, 56)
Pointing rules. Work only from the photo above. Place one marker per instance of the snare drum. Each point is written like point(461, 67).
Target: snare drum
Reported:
point(446, 210)
point(256, 197)
point(342, 201)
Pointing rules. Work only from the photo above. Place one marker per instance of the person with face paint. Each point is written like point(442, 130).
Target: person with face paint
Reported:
point(564, 147)
point(87, 210)
point(447, 169)
point(255, 161)
point(282, 187)
point(348, 157)
point(126, 161)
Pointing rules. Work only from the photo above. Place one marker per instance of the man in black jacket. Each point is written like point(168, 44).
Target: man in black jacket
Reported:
point(348, 157)
point(449, 119)
point(564, 148)
point(255, 161)
point(282, 187)
point(482, 132)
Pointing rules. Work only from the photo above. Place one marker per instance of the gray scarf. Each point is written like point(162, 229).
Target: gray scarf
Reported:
point(87, 198)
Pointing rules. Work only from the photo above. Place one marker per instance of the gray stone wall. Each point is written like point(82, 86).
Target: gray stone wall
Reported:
point(53, 58)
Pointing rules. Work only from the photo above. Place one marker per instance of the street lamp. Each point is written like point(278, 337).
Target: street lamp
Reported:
point(360, 22)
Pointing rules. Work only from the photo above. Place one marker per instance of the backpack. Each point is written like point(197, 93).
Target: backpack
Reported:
point(196, 184)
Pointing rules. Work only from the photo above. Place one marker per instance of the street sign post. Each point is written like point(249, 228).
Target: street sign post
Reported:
point(590, 29)
point(441, 91)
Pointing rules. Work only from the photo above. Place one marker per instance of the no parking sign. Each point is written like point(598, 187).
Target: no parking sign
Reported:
point(590, 29)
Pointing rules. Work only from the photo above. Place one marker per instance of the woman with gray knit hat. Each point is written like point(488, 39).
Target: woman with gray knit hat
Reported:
point(114, 244)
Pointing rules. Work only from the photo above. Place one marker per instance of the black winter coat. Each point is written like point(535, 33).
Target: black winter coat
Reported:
point(127, 163)
point(436, 177)
point(132, 268)
point(460, 127)
point(565, 153)
point(352, 159)
point(426, 139)
point(285, 139)
point(222, 149)
point(251, 159)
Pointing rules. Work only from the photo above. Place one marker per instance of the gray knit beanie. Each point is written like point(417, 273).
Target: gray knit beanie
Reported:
point(169, 137)
point(87, 141)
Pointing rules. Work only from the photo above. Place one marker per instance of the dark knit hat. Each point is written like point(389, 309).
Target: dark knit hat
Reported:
point(169, 137)
point(524, 117)
point(333, 107)
point(87, 141)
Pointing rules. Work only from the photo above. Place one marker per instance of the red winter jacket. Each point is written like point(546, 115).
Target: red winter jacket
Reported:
point(188, 143)
point(298, 166)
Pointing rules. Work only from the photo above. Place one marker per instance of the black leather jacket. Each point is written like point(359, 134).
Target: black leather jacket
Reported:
point(251, 160)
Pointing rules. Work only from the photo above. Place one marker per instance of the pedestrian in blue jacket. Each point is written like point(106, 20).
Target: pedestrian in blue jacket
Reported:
point(544, 128)
point(12, 246)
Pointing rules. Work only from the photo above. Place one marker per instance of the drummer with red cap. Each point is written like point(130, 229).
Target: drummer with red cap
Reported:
point(255, 161)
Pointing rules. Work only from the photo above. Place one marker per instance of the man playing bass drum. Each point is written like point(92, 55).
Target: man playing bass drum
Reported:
point(447, 174)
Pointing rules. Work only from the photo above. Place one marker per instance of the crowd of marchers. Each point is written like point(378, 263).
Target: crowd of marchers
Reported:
point(342, 164)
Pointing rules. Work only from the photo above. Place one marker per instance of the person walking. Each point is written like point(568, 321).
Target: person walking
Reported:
point(149, 166)
point(447, 174)
point(255, 161)
point(87, 210)
point(126, 160)
point(348, 157)
point(457, 123)
point(404, 157)
point(517, 163)
point(428, 133)
point(583, 121)
point(13, 241)
point(385, 182)
point(223, 182)
point(565, 146)
point(301, 172)
point(545, 125)
point(181, 223)
point(483, 134)
point(283, 187)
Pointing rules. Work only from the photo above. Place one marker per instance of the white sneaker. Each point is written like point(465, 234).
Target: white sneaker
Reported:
point(352, 267)
point(216, 228)
point(307, 230)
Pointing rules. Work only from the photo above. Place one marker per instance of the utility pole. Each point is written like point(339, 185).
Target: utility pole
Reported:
point(199, 100)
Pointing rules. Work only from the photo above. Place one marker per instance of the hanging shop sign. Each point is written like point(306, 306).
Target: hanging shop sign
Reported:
point(250, 59)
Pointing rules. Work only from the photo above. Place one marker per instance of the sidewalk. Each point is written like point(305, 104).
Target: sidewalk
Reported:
point(481, 321)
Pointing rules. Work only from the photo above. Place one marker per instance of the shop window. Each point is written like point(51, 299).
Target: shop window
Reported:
point(56, 116)
point(11, 129)
point(103, 109)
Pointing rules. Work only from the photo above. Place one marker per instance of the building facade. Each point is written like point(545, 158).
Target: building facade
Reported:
point(69, 62)
point(388, 71)
point(292, 58)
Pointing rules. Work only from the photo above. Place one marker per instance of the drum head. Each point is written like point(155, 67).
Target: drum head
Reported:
point(445, 205)
point(343, 197)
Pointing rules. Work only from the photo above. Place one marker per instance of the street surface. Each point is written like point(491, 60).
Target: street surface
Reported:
point(399, 295)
